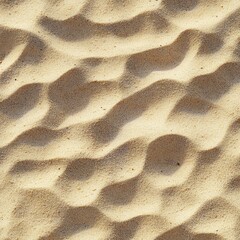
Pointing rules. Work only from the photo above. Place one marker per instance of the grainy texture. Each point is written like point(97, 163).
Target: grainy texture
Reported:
point(120, 119)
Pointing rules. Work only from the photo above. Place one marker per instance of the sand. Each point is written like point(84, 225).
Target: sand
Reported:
point(120, 119)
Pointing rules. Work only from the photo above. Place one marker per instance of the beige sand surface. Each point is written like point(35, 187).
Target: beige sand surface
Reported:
point(120, 119)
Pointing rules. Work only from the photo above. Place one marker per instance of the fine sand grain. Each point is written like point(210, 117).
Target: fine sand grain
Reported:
point(120, 119)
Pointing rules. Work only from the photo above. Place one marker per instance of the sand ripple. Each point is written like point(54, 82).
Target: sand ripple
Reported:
point(120, 120)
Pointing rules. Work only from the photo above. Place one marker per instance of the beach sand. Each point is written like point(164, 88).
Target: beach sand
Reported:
point(120, 119)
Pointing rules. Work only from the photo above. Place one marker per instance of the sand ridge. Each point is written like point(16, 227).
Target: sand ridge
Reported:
point(119, 120)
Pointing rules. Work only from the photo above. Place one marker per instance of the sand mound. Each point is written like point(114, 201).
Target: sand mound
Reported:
point(120, 119)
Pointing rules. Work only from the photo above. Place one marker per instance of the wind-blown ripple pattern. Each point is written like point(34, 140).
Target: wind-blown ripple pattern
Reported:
point(120, 120)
